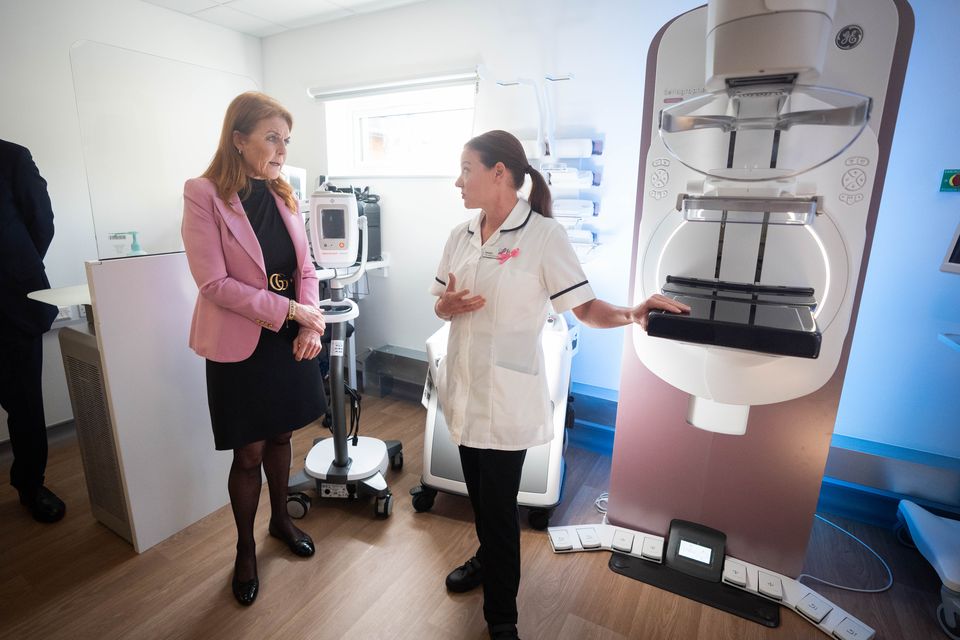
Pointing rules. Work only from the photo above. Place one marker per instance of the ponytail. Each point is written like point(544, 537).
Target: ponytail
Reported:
point(540, 199)
point(500, 146)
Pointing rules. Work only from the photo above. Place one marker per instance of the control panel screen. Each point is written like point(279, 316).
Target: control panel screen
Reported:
point(951, 262)
point(695, 552)
point(333, 223)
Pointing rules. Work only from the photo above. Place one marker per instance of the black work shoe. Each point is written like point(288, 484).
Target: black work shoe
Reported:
point(245, 592)
point(301, 546)
point(467, 576)
point(44, 505)
point(503, 632)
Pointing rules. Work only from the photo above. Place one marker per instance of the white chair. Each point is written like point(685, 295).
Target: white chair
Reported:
point(938, 539)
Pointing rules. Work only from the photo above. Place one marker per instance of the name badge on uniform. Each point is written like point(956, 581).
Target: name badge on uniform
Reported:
point(501, 255)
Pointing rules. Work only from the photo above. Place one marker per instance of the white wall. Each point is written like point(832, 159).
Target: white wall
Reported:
point(901, 381)
point(903, 385)
point(603, 44)
point(38, 109)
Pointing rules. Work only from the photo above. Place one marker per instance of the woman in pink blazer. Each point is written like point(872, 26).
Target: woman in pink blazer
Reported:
point(256, 319)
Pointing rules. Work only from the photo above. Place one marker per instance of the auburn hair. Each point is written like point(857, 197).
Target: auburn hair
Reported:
point(226, 170)
point(500, 146)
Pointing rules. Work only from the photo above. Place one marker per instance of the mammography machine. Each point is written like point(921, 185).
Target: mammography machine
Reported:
point(541, 482)
point(767, 128)
point(339, 466)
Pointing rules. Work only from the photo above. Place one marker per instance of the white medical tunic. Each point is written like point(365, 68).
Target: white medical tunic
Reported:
point(491, 385)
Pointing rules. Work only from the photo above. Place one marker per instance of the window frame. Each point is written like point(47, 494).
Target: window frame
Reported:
point(344, 131)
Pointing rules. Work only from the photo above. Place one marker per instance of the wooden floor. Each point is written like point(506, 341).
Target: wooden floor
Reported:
point(376, 579)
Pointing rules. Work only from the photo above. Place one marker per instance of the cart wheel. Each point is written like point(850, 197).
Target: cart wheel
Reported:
point(539, 519)
point(423, 498)
point(902, 533)
point(384, 506)
point(571, 416)
point(952, 631)
point(396, 462)
point(298, 504)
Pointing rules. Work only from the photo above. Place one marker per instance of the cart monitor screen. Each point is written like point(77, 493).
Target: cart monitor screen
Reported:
point(333, 223)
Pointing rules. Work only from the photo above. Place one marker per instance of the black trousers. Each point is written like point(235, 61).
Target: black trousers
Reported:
point(493, 479)
point(21, 396)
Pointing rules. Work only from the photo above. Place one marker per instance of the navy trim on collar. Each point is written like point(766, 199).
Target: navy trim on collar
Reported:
point(522, 224)
point(519, 226)
point(568, 289)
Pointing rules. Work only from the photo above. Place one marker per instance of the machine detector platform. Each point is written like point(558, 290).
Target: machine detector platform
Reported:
point(767, 319)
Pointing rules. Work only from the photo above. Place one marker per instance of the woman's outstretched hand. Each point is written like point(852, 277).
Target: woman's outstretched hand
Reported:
point(640, 312)
point(452, 302)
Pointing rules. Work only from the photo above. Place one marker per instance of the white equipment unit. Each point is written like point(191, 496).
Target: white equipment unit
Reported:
point(938, 540)
point(541, 481)
point(342, 467)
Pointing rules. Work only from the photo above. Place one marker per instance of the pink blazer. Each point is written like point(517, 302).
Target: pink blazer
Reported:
point(227, 264)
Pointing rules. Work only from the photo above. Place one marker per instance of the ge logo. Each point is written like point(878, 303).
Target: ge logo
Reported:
point(659, 178)
point(849, 37)
point(854, 179)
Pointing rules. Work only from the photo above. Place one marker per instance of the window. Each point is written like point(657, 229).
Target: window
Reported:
point(410, 133)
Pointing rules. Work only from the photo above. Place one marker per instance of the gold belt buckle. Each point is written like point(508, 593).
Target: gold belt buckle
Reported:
point(279, 282)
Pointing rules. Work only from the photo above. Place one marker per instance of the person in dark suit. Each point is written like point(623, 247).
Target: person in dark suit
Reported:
point(26, 230)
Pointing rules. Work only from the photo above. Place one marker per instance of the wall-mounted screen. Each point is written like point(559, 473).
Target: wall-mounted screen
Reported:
point(951, 263)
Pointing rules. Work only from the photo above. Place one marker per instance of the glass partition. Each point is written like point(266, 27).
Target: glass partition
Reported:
point(147, 124)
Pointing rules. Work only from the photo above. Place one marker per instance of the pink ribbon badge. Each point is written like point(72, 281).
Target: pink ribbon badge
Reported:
point(506, 254)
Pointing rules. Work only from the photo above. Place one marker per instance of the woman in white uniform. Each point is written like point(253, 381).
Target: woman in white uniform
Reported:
point(499, 274)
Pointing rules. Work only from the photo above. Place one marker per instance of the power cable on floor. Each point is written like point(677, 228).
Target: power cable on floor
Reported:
point(601, 503)
point(864, 544)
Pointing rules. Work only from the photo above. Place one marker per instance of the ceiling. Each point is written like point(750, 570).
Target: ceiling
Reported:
point(268, 17)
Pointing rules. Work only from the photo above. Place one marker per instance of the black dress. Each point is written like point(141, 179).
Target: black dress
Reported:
point(269, 393)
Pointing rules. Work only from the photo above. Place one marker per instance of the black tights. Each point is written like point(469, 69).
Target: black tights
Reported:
point(244, 487)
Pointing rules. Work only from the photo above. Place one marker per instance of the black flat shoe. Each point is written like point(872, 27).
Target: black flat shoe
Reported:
point(44, 505)
point(302, 546)
point(466, 577)
point(245, 592)
point(503, 632)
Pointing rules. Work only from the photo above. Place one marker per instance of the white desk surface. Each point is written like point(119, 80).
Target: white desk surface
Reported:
point(63, 296)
